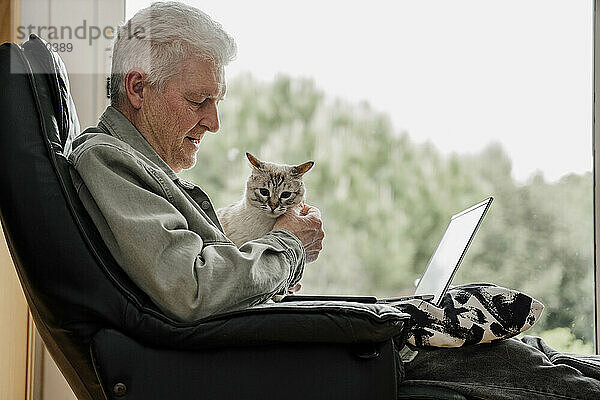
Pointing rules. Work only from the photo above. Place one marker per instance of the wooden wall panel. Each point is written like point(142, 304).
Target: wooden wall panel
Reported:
point(5, 15)
point(16, 325)
point(10, 15)
point(14, 330)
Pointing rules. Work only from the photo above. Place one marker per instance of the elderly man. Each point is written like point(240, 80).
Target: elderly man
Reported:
point(167, 81)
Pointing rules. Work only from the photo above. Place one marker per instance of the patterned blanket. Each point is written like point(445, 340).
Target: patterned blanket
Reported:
point(471, 314)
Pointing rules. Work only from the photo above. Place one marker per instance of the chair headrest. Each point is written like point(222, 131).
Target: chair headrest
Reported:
point(48, 63)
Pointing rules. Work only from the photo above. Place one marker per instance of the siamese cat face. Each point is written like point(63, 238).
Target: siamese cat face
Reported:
point(275, 188)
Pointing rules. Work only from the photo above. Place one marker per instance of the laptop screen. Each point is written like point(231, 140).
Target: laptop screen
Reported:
point(450, 251)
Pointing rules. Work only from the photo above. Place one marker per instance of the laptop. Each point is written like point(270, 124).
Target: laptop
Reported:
point(442, 266)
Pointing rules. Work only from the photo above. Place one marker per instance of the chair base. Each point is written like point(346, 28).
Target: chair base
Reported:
point(130, 370)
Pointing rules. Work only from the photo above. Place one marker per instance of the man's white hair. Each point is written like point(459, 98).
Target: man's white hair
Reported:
point(157, 38)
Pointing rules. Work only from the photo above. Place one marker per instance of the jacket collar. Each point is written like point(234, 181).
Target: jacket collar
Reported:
point(120, 127)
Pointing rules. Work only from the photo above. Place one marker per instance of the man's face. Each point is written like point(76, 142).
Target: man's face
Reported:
point(176, 118)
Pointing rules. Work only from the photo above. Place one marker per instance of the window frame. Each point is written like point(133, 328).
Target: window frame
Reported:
point(596, 166)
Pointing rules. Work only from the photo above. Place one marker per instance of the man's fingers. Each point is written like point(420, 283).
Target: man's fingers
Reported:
point(310, 210)
point(310, 238)
point(305, 222)
point(304, 208)
point(313, 250)
point(312, 256)
point(315, 244)
point(314, 211)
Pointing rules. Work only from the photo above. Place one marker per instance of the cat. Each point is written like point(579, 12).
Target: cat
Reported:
point(271, 191)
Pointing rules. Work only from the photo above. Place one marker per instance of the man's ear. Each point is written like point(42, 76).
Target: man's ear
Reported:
point(134, 87)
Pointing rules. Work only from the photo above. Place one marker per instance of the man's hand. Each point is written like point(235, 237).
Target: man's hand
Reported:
point(307, 226)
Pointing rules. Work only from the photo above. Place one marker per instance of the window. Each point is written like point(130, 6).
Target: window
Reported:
point(412, 111)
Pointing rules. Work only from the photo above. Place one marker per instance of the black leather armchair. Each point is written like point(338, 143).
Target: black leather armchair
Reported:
point(108, 339)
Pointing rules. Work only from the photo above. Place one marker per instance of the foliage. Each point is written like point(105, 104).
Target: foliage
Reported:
point(563, 339)
point(386, 200)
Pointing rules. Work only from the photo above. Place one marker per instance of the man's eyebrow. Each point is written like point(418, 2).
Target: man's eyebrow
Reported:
point(218, 93)
point(209, 95)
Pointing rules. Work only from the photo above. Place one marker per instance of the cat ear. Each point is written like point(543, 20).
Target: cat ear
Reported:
point(301, 169)
point(254, 161)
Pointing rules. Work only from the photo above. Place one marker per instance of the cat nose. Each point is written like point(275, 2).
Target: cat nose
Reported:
point(273, 207)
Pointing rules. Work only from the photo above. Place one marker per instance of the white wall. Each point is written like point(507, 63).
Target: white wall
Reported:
point(80, 31)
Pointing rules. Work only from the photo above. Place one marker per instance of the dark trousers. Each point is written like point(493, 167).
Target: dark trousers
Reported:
point(512, 369)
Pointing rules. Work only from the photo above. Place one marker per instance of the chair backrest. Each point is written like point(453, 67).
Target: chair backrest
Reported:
point(59, 276)
point(72, 284)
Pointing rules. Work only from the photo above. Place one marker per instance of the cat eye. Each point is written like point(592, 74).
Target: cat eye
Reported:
point(264, 192)
point(285, 195)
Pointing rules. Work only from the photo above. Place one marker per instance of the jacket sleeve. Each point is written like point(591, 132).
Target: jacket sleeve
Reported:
point(187, 276)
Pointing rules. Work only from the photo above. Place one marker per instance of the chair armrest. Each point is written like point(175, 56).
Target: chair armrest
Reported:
point(275, 323)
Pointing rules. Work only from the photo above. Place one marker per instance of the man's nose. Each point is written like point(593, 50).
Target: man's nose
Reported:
point(210, 116)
